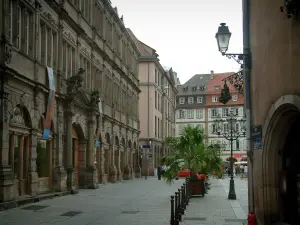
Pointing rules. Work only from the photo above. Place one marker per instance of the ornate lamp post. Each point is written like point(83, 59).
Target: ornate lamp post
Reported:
point(237, 80)
point(231, 134)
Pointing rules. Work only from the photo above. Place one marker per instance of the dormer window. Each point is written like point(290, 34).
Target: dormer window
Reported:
point(185, 88)
point(195, 88)
point(202, 88)
point(217, 87)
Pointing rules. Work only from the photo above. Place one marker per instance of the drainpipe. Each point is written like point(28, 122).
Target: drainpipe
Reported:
point(247, 77)
point(148, 132)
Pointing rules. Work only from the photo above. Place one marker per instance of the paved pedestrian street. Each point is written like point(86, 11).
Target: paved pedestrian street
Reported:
point(216, 209)
point(135, 202)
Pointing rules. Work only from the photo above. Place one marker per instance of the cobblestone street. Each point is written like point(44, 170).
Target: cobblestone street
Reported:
point(135, 202)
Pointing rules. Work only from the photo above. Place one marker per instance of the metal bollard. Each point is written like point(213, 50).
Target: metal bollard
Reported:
point(179, 205)
point(176, 209)
point(184, 191)
point(182, 200)
point(187, 192)
point(172, 221)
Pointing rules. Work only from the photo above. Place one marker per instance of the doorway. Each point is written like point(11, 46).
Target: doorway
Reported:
point(290, 176)
point(19, 158)
point(19, 149)
point(75, 153)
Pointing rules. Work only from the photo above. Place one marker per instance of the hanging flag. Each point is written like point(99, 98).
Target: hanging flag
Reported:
point(50, 105)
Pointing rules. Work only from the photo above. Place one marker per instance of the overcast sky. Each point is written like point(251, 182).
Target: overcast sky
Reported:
point(183, 32)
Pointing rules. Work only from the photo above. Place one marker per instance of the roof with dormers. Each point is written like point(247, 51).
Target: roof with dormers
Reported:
point(196, 85)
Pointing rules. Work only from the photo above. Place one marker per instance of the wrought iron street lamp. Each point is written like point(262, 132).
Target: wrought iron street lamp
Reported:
point(231, 133)
point(237, 80)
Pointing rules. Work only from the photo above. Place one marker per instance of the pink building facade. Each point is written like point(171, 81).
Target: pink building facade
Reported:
point(157, 104)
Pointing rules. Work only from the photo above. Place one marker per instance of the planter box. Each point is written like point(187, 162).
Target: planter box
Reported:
point(197, 187)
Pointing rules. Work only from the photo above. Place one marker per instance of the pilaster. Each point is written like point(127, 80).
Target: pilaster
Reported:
point(6, 173)
point(112, 168)
point(32, 174)
point(91, 170)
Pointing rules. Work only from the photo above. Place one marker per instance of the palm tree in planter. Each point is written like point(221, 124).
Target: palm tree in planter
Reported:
point(190, 152)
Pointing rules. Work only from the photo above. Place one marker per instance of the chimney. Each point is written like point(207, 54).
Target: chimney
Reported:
point(212, 73)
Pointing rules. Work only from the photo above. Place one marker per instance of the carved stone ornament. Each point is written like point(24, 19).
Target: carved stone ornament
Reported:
point(8, 54)
point(49, 17)
point(69, 37)
point(74, 83)
point(95, 96)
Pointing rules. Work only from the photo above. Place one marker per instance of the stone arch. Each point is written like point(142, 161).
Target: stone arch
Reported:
point(20, 147)
point(281, 117)
point(21, 116)
point(135, 146)
point(129, 145)
point(79, 154)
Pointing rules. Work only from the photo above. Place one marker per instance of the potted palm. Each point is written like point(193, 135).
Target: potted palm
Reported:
point(190, 152)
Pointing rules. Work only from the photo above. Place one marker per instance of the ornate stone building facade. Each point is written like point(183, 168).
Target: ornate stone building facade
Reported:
point(94, 62)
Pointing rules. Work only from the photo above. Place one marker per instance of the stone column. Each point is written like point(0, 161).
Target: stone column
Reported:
point(32, 174)
point(91, 170)
point(118, 159)
point(59, 173)
point(69, 150)
point(112, 167)
point(6, 173)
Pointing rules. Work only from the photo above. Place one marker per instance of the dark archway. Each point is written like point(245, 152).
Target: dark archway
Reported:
point(280, 166)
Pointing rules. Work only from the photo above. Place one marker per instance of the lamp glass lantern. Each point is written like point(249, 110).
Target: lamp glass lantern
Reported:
point(223, 37)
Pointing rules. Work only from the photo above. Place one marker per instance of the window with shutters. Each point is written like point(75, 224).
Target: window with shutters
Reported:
point(191, 100)
point(213, 128)
point(181, 114)
point(235, 111)
point(214, 113)
point(234, 98)
point(214, 99)
point(226, 128)
point(199, 99)
point(225, 112)
point(199, 114)
point(181, 100)
point(190, 114)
